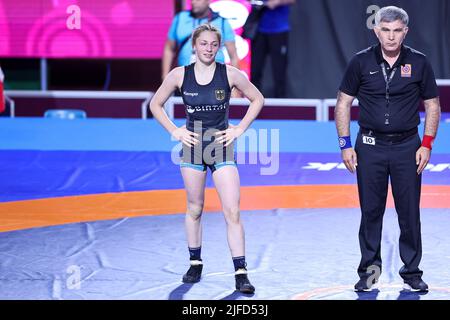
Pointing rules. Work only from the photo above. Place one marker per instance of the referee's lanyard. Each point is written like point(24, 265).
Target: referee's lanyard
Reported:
point(387, 80)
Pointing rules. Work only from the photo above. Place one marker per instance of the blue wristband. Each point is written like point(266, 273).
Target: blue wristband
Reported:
point(345, 142)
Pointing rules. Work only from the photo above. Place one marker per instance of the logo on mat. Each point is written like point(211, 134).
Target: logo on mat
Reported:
point(220, 94)
point(406, 71)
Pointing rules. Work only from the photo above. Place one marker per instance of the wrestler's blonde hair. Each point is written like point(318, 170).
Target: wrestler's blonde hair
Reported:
point(205, 27)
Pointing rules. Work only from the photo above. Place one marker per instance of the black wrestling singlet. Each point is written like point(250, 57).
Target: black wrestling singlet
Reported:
point(207, 108)
point(207, 104)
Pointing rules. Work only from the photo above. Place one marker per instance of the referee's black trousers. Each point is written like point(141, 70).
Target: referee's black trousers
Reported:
point(376, 163)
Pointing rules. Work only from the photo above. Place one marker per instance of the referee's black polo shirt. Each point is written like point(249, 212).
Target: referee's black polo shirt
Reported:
point(413, 80)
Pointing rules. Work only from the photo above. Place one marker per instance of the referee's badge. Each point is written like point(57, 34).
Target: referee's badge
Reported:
point(368, 140)
point(406, 71)
point(220, 94)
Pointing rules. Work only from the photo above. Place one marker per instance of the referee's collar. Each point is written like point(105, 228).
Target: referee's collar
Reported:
point(380, 59)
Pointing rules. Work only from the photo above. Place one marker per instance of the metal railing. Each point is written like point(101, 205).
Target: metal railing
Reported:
point(131, 95)
point(443, 82)
point(327, 103)
point(12, 106)
point(321, 105)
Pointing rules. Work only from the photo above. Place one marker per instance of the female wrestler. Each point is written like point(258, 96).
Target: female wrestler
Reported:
point(208, 140)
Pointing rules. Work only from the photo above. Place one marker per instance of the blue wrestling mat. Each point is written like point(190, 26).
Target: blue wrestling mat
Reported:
point(292, 253)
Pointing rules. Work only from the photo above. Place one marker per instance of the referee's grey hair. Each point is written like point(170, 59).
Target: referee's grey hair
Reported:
point(391, 14)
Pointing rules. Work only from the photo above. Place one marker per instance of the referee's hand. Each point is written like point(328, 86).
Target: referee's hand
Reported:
point(422, 158)
point(350, 159)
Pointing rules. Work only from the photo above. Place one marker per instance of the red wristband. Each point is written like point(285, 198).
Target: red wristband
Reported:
point(427, 141)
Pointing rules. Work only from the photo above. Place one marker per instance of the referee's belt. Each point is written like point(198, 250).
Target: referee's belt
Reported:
point(390, 137)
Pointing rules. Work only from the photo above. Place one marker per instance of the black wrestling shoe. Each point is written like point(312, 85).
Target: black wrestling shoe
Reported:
point(242, 283)
point(194, 273)
point(415, 284)
point(364, 285)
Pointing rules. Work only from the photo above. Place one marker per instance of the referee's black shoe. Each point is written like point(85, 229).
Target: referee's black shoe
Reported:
point(364, 284)
point(194, 273)
point(415, 284)
point(242, 283)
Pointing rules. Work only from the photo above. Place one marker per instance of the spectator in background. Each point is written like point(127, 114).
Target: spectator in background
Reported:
point(272, 39)
point(179, 44)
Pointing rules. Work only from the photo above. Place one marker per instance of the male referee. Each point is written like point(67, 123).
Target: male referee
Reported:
point(389, 79)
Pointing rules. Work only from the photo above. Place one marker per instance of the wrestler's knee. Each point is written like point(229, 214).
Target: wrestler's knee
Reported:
point(232, 214)
point(194, 209)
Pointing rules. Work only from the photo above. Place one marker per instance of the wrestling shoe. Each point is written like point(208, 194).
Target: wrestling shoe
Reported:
point(194, 273)
point(242, 283)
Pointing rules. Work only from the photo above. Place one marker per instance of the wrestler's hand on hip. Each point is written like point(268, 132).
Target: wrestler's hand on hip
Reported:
point(227, 136)
point(185, 136)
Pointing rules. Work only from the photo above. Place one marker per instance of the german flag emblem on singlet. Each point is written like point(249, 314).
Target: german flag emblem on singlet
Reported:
point(220, 94)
